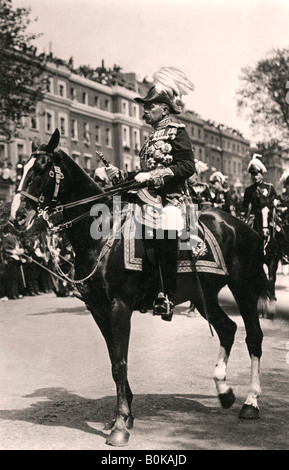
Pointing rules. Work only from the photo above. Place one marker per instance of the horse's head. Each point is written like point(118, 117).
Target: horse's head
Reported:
point(35, 190)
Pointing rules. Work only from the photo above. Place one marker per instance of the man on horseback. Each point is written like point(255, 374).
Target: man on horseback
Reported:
point(258, 196)
point(222, 197)
point(259, 205)
point(167, 161)
point(283, 213)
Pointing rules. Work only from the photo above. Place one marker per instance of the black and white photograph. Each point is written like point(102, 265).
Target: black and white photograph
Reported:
point(144, 228)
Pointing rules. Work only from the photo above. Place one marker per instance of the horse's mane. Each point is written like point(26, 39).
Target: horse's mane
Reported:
point(82, 175)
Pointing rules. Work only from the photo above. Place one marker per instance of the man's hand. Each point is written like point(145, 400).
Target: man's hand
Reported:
point(142, 177)
point(111, 171)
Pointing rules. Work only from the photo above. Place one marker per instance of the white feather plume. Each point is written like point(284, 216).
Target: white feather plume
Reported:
point(173, 81)
point(257, 164)
point(200, 166)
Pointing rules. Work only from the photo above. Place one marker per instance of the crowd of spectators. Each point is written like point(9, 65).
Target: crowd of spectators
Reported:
point(29, 262)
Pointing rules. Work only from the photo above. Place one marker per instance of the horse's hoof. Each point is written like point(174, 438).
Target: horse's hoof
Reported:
point(118, 438)
point(227, 399)
point(249, 412)
point(270, 316)
point(129, 422)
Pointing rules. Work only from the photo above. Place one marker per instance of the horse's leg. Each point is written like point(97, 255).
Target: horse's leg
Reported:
point(247, 301)
point(226, 330)
point(116, 331)
point(272, 276)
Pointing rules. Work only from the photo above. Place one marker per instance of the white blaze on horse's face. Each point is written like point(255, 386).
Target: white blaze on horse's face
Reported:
point(16, 202)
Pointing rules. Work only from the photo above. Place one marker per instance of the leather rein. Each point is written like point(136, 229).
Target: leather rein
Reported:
point(52, 208)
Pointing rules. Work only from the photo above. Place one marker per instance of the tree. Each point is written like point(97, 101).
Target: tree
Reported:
point(263, 95)
point(21, 80)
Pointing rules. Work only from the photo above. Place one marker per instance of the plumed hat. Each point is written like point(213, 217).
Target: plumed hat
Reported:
point(284, 178)
point(200, 166)
point(255, 165)
point(170, 84)
point(217, 176)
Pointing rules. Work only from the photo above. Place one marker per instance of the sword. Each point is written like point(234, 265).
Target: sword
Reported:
point(44, 267)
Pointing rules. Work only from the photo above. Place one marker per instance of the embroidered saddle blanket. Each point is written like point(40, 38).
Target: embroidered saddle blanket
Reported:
point(207, 252)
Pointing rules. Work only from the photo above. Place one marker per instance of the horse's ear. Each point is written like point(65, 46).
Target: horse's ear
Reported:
point(35, 144)
point(54, 140)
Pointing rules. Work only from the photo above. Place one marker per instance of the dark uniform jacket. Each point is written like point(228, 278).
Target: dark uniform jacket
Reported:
point(223, 200)
point(201, 194)
point(169, 156)
point(283, 207)
point(256, 197)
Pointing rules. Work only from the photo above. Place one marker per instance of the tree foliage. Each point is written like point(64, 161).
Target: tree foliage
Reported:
point(262, 97)
point(21, 81)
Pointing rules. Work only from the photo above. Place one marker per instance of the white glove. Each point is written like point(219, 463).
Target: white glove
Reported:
point(111, 171)
point(142, 177)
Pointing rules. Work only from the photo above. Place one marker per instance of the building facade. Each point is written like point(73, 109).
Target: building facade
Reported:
point(94, 117)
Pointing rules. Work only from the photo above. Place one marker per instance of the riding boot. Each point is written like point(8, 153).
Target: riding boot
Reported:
point(148, 276)
point(167, 258)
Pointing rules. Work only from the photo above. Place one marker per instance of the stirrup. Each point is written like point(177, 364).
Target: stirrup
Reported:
point(163, 306)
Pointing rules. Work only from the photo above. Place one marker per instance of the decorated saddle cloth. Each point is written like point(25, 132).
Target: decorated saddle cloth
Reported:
point(201, 253)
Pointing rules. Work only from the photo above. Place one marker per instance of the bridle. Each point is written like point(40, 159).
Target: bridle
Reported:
point(47, 211)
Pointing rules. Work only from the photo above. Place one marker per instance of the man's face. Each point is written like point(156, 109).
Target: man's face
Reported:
point(257, 177)
point(153, 113)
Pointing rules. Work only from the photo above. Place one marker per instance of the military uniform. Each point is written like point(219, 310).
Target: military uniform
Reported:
point(200, 194)
point(222, 199)
point(168, 155)
point(256, 197)
point(169, 158)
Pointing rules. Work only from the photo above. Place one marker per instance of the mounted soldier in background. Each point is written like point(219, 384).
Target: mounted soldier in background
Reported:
point(283, 213)
point(199, 190)
point(167, 161)
point(222, 195)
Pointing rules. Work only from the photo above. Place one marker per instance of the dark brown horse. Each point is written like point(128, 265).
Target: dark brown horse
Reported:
point(53, 182)
point(265, 223)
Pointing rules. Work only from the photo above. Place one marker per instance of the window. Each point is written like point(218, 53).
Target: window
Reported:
point(84, 97)
point(200, 154)
point(34, 123)
point(135, 111)
point(96, 101)
point(125, 137)
point(136, 140)
point(73, 93)
point(76, 157)
point(62, 89)
point(97, 135)
point(74, 129)
point(86, 133)
point(106, 104)
point(108, 137)
point(199, 133)
point(20, 152)
point(49, 85)
point(63, 125)
point(124, 107)
point(49, 121)
point(192, 130)
point(87, 161)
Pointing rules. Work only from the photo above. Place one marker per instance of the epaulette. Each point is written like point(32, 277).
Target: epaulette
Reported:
point(176, 124)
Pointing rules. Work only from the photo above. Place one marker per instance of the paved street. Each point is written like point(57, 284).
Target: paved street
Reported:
point(57, 391)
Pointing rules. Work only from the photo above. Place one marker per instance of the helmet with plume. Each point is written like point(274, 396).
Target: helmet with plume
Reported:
point(255, 165)
point(217, 176)
point(170, 84)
